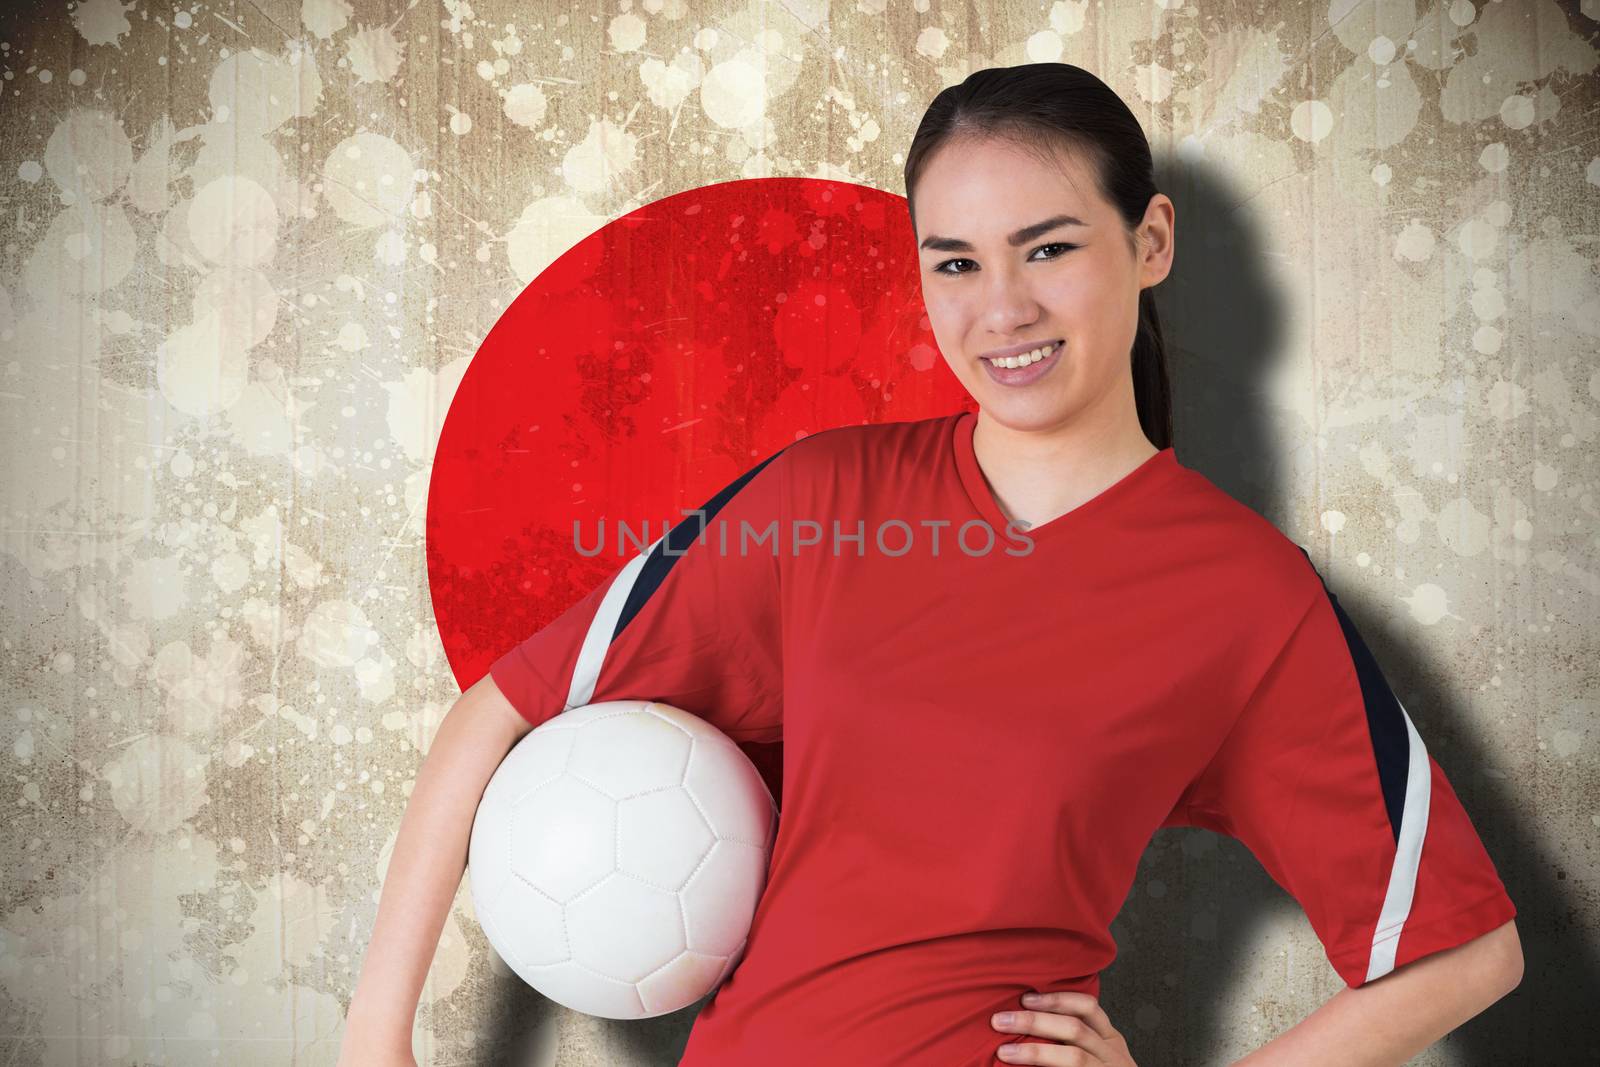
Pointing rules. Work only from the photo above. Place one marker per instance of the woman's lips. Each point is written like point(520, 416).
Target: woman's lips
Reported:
point(1024, 375)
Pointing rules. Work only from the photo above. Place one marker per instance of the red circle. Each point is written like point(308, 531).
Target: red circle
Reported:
point(652, 364)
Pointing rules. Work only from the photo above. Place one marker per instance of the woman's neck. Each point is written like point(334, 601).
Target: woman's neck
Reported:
point(1037, 475)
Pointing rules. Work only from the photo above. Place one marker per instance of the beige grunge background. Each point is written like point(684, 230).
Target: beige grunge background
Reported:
point(250, 247)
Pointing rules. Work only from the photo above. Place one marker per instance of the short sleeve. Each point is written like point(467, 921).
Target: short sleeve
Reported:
point(693, 621)
point(1325, 779)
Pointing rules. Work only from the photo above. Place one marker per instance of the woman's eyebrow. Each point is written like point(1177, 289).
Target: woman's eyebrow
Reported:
point(1022, 236)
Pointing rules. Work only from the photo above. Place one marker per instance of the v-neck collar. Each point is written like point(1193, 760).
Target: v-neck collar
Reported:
point(977, 485)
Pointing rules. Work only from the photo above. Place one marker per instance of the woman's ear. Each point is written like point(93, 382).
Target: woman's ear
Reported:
point(1156, 240)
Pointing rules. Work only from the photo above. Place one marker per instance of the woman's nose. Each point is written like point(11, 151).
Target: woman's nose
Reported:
point(1009, 309)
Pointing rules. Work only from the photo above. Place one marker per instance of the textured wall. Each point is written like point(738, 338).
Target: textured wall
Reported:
point(249, 249)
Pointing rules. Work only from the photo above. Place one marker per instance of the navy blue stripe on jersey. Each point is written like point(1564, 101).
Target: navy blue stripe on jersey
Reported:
point(1391, 742)
point(659, 562)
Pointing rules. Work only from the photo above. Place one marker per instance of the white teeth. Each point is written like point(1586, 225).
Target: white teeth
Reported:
point(1011, 362)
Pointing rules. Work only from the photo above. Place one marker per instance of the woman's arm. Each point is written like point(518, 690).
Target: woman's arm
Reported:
point(430, 854)
point(1390, 1020)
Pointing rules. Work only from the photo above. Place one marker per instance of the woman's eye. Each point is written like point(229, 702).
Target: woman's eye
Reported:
point(940, 269)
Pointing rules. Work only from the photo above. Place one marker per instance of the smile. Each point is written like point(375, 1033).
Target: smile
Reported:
point(1026, 368)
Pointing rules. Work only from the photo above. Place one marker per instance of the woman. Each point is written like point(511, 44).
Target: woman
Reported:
point(982, 732)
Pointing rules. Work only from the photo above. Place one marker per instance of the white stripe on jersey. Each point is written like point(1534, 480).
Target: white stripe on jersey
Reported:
point(1407, 856)
point(598, 640)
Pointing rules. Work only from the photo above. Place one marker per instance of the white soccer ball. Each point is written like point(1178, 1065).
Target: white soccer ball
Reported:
point(617, 857)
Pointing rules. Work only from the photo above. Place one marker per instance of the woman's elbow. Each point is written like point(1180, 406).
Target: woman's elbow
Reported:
point(1502, 955)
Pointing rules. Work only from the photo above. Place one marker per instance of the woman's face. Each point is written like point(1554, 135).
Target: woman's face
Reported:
point(1075, 282)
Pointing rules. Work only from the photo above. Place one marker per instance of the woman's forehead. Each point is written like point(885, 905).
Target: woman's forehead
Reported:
point(996, 187)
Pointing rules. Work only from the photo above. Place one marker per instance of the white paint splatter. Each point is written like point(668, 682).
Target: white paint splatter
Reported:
point(336, 633)
point(258, 92)
point(375, 676)
point(605, 154)
point(324, 18)
point(228, 151)
point(1488, 304)
point(87, 248)
point(390, 248)
point(88, 155)
point(1414, 243)
point(667, 84)
point(199, 693)
point(101, 21)
point(626, 32)
point(148, 183)
point(245, 299)
point(1429, 604)
point(200, 368)
point(547, 228)
point(233, 221)
point(157, 782)
point(1477, 238)
point(932, 42)
point(1044, 46)
point(260, 421)
point(733, 93)
point(352, 337)
point(1153, 82)
point(275, 553)
point(1311, 120)
point(525, 103)
point(417, 405)
point(230, 571)
point(368, 180)
point(1248, 64)
point(1067, 16)
point(374, 54)
point(1517, 112)
point(1506, 400)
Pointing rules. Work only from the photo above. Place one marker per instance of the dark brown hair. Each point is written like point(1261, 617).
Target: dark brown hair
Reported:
point(1049, 106)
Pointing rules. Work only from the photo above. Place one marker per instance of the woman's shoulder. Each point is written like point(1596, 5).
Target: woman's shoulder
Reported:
point(1232, 535)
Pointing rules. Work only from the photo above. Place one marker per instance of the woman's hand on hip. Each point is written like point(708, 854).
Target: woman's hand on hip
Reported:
point(1083, 1035)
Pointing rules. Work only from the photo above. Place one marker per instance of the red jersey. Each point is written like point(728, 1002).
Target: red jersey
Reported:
point(983, 727)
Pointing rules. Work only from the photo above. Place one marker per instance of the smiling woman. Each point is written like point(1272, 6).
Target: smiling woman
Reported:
point(1046, 315)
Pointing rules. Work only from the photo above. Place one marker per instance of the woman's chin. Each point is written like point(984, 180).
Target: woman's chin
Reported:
point(1044, 411)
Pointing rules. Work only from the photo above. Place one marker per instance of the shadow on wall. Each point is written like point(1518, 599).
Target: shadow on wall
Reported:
point(1197, 912)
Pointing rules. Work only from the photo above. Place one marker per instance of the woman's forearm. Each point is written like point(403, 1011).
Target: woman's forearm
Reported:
point(425, 868)
point(1390, 1020)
